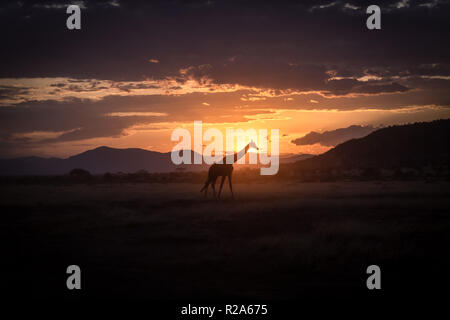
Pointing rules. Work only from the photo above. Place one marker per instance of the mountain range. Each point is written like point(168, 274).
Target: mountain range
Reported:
point(412, 145)
point(105, 159)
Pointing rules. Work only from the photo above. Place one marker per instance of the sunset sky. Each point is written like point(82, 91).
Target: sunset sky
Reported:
point(135, 72)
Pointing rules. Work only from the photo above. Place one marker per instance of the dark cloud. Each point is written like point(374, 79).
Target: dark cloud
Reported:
point(289, 76)
point(379, 88)
point(269, 38)
point(10, 92)
point(264, 74)
point(334, 137)
point(128, 87)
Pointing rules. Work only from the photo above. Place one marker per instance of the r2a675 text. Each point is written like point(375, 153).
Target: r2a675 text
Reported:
point(246, 309)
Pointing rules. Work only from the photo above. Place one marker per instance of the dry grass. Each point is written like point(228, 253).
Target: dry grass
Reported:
point(275, 241)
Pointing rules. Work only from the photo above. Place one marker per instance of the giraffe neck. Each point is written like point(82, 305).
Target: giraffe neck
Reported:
point(235, 157)
point(241, 153)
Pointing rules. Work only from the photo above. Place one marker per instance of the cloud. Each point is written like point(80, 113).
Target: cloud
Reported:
point(137, 114)
point(18, 90)
point(272, 57)
point(334, 137)
point(111, 115)
point(288, 33)
point(37, 136)
point(8, 93)
point(381, 88)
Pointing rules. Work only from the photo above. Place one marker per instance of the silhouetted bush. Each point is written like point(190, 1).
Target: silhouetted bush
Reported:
point(287, 172)
point(79, 173)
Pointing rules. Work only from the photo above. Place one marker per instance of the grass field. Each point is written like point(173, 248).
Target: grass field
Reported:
point(274, 241)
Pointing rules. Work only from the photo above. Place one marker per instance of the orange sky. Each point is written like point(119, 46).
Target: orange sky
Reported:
point(146, 117)
point(291, 124)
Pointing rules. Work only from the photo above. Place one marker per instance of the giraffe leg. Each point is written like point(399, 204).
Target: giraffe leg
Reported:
point(205, 187)
point(231, 187)
point(221, 185)
point(213, 185)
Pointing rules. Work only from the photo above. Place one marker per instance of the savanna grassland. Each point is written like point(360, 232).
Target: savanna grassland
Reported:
point(274, 241)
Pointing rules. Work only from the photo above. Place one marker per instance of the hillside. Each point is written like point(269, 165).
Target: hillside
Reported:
point(412, 145)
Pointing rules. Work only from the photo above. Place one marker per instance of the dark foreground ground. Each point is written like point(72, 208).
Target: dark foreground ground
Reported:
point(274, 242)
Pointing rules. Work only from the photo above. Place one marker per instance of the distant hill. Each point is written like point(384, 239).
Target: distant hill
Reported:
point(96, 161)
point(410, 145)
point(105, 159)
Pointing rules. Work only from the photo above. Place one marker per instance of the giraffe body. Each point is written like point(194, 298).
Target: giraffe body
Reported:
point(218, 170)
point(224, 170)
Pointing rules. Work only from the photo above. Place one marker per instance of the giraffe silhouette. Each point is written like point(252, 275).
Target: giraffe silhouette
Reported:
point(224, 169)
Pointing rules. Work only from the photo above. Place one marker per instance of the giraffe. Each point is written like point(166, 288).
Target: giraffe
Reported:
point(224, 169)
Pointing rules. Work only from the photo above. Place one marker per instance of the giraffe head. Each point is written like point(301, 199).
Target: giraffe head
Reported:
point(253, 145)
